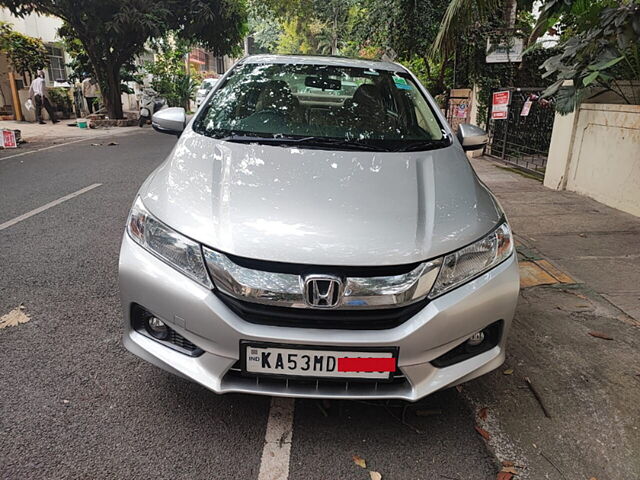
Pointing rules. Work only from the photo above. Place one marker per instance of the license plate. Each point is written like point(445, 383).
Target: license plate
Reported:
point(318, 363)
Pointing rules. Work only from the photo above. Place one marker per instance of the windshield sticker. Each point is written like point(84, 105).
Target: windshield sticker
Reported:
point(401, 83)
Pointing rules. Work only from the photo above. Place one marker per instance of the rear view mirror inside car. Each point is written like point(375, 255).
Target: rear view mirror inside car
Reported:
point(323, 83)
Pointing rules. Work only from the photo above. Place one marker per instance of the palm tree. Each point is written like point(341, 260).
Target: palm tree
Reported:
point(461, 15)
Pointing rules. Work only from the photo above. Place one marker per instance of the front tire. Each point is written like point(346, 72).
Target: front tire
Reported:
point(141, 121)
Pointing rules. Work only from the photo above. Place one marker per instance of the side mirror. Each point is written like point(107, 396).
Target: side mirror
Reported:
point(169, 120)
point(472, 137)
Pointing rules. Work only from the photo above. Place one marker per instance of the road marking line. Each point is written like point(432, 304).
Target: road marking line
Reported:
point(277, 440)
point(38, 210)
point(44, 148)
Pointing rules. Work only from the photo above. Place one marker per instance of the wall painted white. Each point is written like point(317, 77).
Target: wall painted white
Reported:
point(562, 138)
point(39, 26)
point(596, 152)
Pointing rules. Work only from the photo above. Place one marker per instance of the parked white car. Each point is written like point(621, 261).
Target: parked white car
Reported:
point(318, 232)
point(204, 89)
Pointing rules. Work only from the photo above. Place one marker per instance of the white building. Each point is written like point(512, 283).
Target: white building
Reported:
point(46, 29)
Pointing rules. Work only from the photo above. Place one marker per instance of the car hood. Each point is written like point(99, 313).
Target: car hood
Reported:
point(320, 207)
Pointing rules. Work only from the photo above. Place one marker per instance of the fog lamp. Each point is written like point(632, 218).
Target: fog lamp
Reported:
point(476, 339)
point(157, 328)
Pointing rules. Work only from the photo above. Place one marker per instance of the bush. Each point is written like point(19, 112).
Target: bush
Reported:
point(61, 100)
point(26, 54)
point(600, 55)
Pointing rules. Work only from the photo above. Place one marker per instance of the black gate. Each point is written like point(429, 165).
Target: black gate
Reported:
point(523, 138)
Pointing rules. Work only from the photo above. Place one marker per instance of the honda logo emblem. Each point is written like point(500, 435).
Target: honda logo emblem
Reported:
point(322, 291)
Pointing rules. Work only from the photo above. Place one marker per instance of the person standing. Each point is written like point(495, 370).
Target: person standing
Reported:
point(38, 95)
point(90, 92)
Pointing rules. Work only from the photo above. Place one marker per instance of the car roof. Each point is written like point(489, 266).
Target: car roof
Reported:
point(324, 60)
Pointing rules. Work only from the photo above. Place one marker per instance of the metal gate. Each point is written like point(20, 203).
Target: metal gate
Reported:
point(523, 138)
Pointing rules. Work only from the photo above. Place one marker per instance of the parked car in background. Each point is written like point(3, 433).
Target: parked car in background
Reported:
point(204, 89)
point(318, 231)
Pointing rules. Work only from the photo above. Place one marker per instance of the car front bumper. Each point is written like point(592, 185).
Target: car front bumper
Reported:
point(197, 314)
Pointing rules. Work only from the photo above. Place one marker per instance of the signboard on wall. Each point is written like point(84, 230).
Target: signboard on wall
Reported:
point(461, 110)
point(505, 51)
point(500, 105)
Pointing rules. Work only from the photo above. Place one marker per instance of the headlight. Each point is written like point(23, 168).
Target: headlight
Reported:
point(469, 262)
point(177, 250)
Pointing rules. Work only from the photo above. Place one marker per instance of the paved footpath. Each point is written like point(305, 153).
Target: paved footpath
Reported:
point(580, 266)
point(599, 245)
point(44, 137)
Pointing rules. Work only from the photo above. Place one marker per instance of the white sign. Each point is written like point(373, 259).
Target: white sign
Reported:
point(526, 108)
point(506, 51)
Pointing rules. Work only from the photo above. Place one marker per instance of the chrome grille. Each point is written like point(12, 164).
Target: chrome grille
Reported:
point(288, 286)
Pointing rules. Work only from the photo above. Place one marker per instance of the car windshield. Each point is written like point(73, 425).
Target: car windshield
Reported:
point(322, 104)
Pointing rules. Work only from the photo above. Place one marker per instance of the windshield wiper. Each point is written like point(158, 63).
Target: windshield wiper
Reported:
point(424, 145)
point(254, 139)
point(341, 142)
point(308, 141)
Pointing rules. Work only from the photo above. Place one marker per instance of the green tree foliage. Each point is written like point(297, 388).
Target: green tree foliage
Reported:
point(60, 98)
point(80, 63)
point(408, 29)
point(459, 17)
point(26, 54)
point(293, 39)
point(266, 32)
point(170, 78)
point(361, 28)
point(600, 53)
point(302, 26)
point(569, 17)
point(113, 32)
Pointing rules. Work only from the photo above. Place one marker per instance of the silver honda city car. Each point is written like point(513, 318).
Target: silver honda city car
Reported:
point(317, 231)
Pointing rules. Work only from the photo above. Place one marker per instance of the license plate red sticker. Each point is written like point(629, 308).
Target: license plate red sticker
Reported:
point(346, 364)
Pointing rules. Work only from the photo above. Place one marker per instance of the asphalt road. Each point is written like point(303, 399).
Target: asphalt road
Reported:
point(75, 404)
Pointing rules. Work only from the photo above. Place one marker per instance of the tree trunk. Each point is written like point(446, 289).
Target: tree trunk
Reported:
point(440, 82)
point(111, 95)
point(334, 33)
point(510, 12)
point(107, 73)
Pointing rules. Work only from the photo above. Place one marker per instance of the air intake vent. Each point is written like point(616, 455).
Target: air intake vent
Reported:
point(381, 319)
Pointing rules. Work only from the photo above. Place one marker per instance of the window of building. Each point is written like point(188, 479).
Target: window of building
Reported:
point(220, 65)
point(56, 70)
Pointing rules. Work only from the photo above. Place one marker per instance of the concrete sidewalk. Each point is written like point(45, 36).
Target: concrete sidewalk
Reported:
point(52, 134)
point(598, 245)
point(576, 337)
